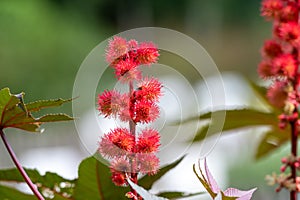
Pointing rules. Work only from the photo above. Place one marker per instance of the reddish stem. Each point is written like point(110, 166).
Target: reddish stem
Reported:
point(19, 167)
point(294, 126)
point(132, 127)
point(294, 141)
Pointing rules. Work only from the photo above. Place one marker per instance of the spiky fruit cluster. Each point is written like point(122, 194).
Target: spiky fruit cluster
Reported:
point(131, 152)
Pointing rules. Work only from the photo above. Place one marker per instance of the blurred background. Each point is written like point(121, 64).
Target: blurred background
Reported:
point(43, 43)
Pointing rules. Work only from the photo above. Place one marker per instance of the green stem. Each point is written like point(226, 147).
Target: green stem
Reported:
point(19, 167)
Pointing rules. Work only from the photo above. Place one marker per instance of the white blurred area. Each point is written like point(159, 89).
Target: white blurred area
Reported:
point(61, 148)
point(54, 160)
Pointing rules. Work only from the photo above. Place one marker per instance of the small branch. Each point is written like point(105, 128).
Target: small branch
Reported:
point(132, 127)
point(20, 168)
point(294, 141)
point(294, 125)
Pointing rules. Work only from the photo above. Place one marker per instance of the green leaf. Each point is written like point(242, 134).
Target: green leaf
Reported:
point(94, 182)
point(54, 118)
point(15, 113)
point(236, 119)
point(7, 101)
point(38, 105)
point(271, 141)
point(172, 195)
point(148, 181)
point(275, 137)
point(243, 119)
point(260, 93)
point(144, 193)
point(247, 118)
point(49, 181)
point(8, 193)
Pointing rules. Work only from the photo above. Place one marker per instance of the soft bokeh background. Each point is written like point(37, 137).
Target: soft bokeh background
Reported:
point(43, 42)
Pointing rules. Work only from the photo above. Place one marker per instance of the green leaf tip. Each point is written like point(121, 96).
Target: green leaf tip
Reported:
point(235, 119)
point(14, 113)
point(245, 118)
point(148, 181)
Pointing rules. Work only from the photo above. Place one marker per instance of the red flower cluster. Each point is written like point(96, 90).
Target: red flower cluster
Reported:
point(281, 64)
point(131, 152)
point(280, 54)
point(126, 57)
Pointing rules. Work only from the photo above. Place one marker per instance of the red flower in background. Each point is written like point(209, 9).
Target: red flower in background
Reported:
point(289, 32)
point(271, 8)
point(284, 65)
point(271, 48)
point(289, 12)
point(280, 64)
point(265, 69)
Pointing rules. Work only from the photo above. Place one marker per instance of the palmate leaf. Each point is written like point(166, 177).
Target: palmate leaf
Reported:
point(60, 187)
point(94, 181)
point(272, 139)
point(260, 93)
point(41, 104)
point(7, 102)
point(275, 137)
point(247, 118)
point(8, 193)
point(236, 119)
point(148, 181)
point(15, 113)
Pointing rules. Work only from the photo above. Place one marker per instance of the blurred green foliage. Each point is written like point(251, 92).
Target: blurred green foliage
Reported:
point(42, 47)
point(43, 42)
